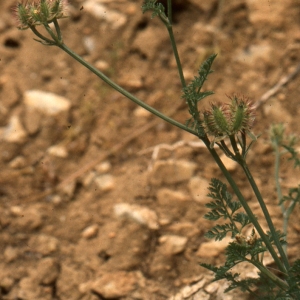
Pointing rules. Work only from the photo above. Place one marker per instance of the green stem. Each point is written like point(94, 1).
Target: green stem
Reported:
point(57, 28)
point(240, 159)
point(123, 91)
point(170, 11)
point(279, 192)
point(61, 45)
point(244, 204)
point(52, 34)
point(288, 212)
point(277, 183)
point(266, 214)
point(168, 23)
point(279, 282)
point(176, 55)
point(37, 33)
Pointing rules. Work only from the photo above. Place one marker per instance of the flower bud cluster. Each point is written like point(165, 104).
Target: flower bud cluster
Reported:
point(250, 240)
point(33, 13)
point(229, 119)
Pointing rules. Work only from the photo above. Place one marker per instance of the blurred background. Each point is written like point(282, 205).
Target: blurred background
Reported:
point(98, 199)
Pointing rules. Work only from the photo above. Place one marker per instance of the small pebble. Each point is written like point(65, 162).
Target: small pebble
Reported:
point(140, 214)
point(105, 182)
point(90, 231)
point(172, 244)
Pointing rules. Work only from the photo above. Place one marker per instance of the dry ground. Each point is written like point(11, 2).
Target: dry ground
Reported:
point(61, 233)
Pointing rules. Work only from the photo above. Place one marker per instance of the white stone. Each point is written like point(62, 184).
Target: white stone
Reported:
point(167, 196)
point(16, 210)
point(18, 162)
point(171, 171)
point(89, 44)
point(212, 287)
point(58, 151)
point(103, 167)
point(14, 131)
point(105, 182)
point(32, 120)
point(114, 284)
point(101, 12)
point(90, 231)
point(188, 291)
point(140, 214)
point(131, 81)
point(140, 112)
point(48, 103)
point(102, 65)
point(172, 244)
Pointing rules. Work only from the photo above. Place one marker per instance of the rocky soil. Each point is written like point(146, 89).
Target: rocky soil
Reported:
point(99, 199)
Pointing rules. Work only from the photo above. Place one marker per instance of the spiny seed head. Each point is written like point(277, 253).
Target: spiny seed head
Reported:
point(33, 13)
point(216, 120)
point(242, 113)
point(222, 120)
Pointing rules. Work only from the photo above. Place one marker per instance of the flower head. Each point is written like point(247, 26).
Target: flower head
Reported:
point(223, 120)
point(33, 13)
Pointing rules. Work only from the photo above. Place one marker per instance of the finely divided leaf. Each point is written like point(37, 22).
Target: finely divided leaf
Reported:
point(192, 94)
point(218, 232)
point(241, 218)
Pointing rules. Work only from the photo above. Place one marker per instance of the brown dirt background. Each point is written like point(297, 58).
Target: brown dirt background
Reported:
point(45, 252)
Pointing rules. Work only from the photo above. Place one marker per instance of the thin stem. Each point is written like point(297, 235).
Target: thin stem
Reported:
point(279, 282)
point(242, 162)
point(57, 28)
point(124, 92)
point(277, 183)
point(176, 55)
point(52, 34)
point(266, 214)
point(37, 33)
point(168, 22)
point(279, 192)
point(170, 11)
point(243, 143)
point(288, 212)
point(59, 43)
point(226, 150)
point(244, 204)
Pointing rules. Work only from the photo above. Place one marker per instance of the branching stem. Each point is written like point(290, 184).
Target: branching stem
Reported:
point(124, 92)
point(245, 205)
point(283, 266)
point(168, 24)
point(240, 159)
point(57, 40)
